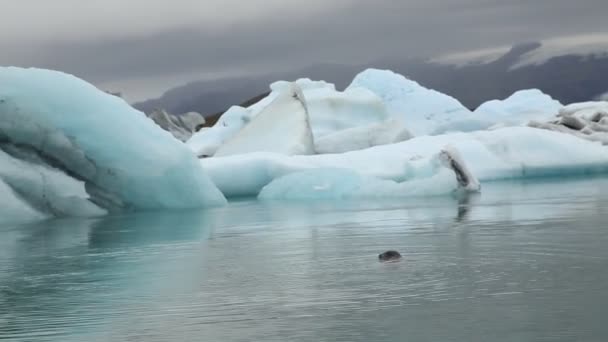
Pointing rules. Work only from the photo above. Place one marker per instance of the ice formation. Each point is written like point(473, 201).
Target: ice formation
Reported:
point(505, 153)
point(530, 104)
point(587, 120)
point(206, 142)
point(68, 149)
point(281, 127)
point(180, 126)
point(14, 209)
point(445, 173)
point(329, 112)
point(421, 109)
point(64, 141)
point(516, 110)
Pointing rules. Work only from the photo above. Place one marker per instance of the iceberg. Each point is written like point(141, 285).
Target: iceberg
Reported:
point(523, 105)
point(78, 144)
point(68, 149)
point(504, 153)
point(421, 109)
point(349, 184)
point(445, 174)
point(328, 112)
point(587, 120)
point(207, 141)
point(516, 110)
point(281, 127)
point(180, 126)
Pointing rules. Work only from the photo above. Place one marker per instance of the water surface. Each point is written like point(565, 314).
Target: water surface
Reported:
point(521, 262)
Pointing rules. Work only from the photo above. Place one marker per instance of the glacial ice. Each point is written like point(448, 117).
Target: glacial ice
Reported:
point(41, 187)
point(421, 109)
point(362, 137)
point(180, 126)
point(206, 142)
point(504, 153)
point(445, 173)
point(58, 122)
point(68, 149)
point(281, 127)
point(530, 104)
point(328, 111)
point(349, 184)
point(14, 209)
point(516, 110)
point(587, 120)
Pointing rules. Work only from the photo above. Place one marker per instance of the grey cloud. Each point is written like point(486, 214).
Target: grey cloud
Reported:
point(354, 31)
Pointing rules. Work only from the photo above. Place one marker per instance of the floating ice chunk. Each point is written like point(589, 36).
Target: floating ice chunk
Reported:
point(588, 120)
point(191, 121)
point(180, 126)
point(516, 110)
point(446, 174)
point(421, 109)
point(206, 142)
point(171, 124)
point(530, 104)
point(328, 111)
point(505, 153)
point(282, 127)
point(348, 184)
point(585, 110)
point(125, 159)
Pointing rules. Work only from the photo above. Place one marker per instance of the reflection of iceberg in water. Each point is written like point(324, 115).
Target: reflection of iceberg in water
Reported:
point(62, 267)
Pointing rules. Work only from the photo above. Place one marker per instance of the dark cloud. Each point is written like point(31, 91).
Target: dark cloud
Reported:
point(351, 32)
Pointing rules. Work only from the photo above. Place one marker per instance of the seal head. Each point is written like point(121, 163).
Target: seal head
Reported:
point(389, 256)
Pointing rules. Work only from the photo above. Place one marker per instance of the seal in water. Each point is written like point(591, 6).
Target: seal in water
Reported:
point(389, 256)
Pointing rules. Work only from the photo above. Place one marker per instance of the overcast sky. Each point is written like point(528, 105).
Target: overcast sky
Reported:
point(143, 47)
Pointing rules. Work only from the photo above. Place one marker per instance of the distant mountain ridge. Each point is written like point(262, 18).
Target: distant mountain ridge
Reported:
point(568, 78)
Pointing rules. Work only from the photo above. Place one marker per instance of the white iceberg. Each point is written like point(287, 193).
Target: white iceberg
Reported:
point(587, 120)
point(523, 105)
point(281, 127)
point(421, 109)
point(516, 110)
point(125, 161)
point(505, 153)
point(206, 142)
point(328, 111)
point(445, 173)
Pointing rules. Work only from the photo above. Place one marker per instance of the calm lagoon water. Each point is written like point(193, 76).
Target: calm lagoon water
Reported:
point(524, 261)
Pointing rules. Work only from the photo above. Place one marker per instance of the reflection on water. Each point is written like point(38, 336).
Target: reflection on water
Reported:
point(520, 262)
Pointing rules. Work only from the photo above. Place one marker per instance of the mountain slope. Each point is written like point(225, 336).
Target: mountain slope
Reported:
point(567, 78)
